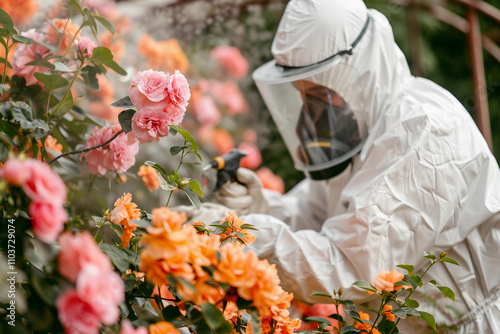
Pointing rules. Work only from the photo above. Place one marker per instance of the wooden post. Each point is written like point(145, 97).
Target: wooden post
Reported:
point(478, 76)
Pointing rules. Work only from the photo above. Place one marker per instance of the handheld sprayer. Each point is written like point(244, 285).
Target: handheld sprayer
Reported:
point(226, 166)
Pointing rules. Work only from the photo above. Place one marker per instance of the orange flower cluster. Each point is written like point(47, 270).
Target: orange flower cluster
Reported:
point(163, 327)
point(387, 312)
point(149, 177)
point(21, 12)
point(365, 325)
point(233, 315)
point(52, 144)
point(176, 249)
point(124, 212)
point(164, 55)
point(234, 231)
point(386, 279)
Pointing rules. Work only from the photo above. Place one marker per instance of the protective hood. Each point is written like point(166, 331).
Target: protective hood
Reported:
point(338, 45)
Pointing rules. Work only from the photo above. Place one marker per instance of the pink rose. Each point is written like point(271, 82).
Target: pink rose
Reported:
point(148, 126)
point(229, 94)
point(28, 53)
point(120, 156)
point(76, 315)
point(253, 158)
point(178, 88)
point(148, 90)
point(103, 290)
point(77, 251)
point(175, 113)
point(230, 58)
point(44, 185)
point(206, 112)
point(15, 172)
point(127, 328)
point(86, 46)
point(47, 220)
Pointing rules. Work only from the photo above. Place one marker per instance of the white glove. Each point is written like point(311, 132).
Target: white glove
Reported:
point(208, 212)
point(243, 199)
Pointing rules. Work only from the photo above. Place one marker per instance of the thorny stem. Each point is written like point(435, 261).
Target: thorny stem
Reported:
point(88, 148)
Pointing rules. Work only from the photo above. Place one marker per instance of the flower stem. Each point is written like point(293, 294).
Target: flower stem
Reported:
point(6, 61)
point(68, 91)
point(176, 171)
point(88, 148)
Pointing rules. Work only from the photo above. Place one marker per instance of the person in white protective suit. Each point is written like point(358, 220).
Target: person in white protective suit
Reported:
point(395, 167)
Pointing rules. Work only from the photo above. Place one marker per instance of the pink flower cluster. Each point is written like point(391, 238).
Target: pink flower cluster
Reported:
point(161, 99)
point(28, 53)
point(47, 192)
point(118, 155)
point(98, 290)
point(230, 58)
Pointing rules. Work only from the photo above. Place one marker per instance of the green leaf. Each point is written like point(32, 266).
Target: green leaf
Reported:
point(349, 330)
point(63, 107)
point(429, 256)
point(43, 63)
point(408, 267)
point(165, 184)
point(6, 20)
point(195, 187)
point(115, 67)
point(215, 320)
point(101, 55)
point(60, 67)
point(124, 102)
point(117, 228)
point(120, 258)
point(22, 39)
point(155, 166)
point(193, 198)
point(429, 319)
point(21, 112)
point(51, 81)
point(108, 25)
point(447, 292)
point(433, 282)
point(354, 315)
point(174, 150)
point(319, 320)
point(125, 119)
point(321, 294)
point(141, 222)
point(450, 260)
point(411, 281)
point(187, 137)
point(411, 303)
point(248, 227)
point(365, 286)
point(89, 20)
point(4, 88)
point(171, 313)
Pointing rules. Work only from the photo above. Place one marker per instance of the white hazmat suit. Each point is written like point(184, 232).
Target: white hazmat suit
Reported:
point(424, 180)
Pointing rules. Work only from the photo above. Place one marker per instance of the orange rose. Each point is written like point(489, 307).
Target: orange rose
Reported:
point(234, 230)
point(238, 269)
point(149, 177)
point(222, 141)
point(364, 325)
point(21, 12)
point(124, 212)
point(387, 312)
point(163, 327)
point(386, 279)
point(163, 55)
point(164, 215)
point(52, 144)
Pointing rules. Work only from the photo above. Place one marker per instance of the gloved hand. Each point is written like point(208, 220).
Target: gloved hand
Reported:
point(243, 199)
point(208, 212)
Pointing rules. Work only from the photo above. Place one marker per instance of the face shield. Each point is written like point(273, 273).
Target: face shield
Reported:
point(315, 108)
point(318, 125)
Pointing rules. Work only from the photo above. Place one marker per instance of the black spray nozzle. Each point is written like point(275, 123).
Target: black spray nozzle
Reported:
point(226, 166)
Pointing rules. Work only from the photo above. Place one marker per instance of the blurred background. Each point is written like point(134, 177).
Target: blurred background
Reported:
point(217, 44)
